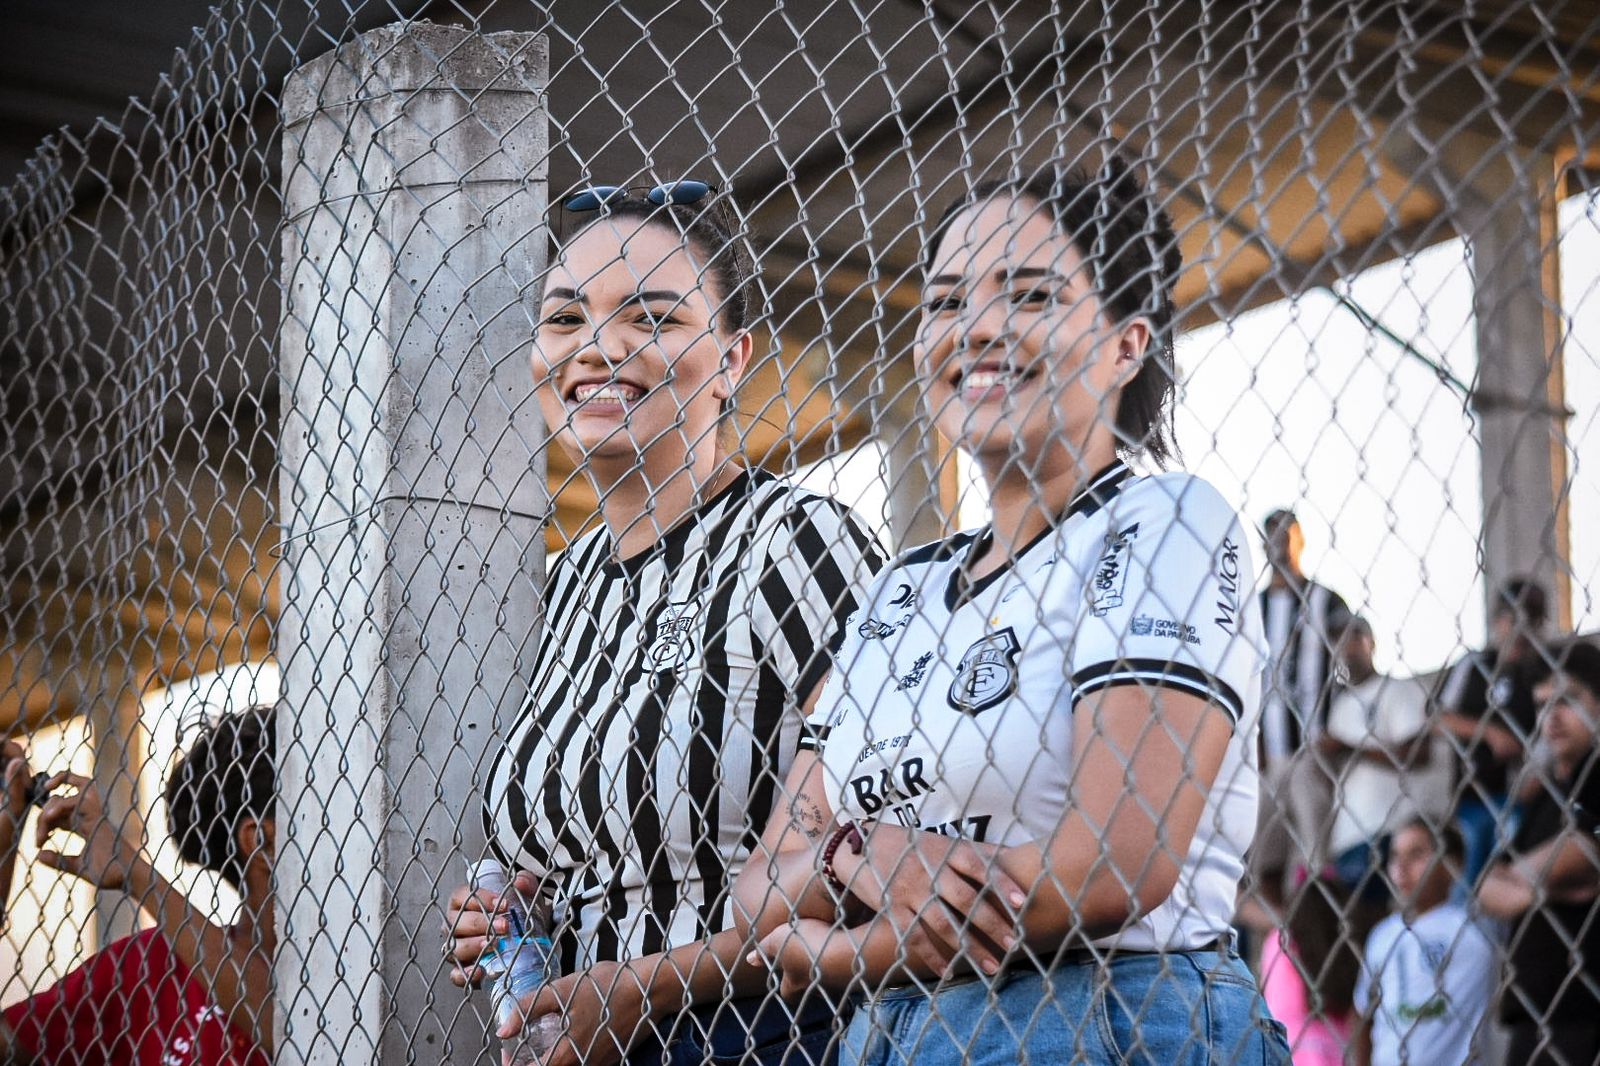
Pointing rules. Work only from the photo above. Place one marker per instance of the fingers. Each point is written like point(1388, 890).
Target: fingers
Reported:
point(67, 777)
point(982, 869)
point(67, 864)
point(57, 813)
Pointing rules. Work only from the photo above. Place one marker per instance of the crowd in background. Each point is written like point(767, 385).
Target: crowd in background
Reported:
point(1424, 875)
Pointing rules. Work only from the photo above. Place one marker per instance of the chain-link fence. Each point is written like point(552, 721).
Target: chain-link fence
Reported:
point(716, 461)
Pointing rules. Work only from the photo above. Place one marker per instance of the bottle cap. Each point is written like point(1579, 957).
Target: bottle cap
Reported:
point(488, 874)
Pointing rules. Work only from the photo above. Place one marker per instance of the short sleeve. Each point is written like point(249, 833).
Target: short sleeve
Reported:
point(818, 563)
point(1402, 712)
point(1169, 599)
point(1347, 721)
point(84, 1012)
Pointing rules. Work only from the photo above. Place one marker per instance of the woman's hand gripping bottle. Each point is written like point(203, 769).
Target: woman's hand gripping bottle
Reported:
point(518, 962)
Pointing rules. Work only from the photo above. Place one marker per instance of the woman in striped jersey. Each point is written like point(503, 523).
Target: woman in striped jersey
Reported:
point(681, 639)
point(1024, 825)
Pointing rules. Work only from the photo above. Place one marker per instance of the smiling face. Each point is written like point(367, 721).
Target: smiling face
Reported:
point(627, 363)
point(1017, 356)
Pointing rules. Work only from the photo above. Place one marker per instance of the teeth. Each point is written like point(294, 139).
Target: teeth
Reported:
point(612, 391)
point(988, 379)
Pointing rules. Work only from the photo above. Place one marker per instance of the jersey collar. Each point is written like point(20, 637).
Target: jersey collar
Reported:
point(1100, 490)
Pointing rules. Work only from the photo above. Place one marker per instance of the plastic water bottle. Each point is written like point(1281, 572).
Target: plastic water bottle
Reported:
point(518, 961)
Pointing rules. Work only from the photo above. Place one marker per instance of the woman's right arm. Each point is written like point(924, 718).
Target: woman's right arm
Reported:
point(780, 882)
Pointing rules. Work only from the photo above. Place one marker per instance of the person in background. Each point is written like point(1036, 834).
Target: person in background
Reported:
point(1489, 713)
point(1546, 889)
point(1302, 620)
point(1391, 766)
point(186, 991)
point(1429, 969)
point(1309, 972)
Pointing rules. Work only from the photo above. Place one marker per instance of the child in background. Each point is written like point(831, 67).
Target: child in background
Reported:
point(1430, 967)
point(1309, 972)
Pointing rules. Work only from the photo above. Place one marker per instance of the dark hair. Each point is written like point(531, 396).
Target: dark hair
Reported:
point(1319, 934)
point(1355, 624)
point(226, 776)
point(1446, 834)
point(1580, 661)
point(1127, 239)
point(1279, 518)
point(1524, 596)
point(709, 227)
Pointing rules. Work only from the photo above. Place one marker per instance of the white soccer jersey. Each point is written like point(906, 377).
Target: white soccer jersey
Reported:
point(665, 711)
point(950, 707)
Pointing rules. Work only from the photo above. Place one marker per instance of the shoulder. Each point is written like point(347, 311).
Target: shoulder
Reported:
point(1382, 935)
point(790, 517)
point(1178, 492)
point(934, 551)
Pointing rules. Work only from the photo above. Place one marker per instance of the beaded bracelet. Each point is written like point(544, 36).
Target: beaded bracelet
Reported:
point(846, 831)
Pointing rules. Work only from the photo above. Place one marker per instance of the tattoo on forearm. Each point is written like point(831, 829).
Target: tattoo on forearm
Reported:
point(806, 813)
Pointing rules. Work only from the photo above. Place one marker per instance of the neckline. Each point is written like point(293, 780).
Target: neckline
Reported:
point(676, 534)
point(1105, 484)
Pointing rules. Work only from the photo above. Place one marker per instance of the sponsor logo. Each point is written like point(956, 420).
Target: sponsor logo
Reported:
point(904, 596)
point(1227, 571)
point(674, 643)
point(1111, 573)
point(1501, 691)
point(1145, 626)
point(914, 677)
point(891, 785)
point(987, 674)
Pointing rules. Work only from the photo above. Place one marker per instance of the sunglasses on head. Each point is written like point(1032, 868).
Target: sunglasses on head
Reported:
point(687, 191)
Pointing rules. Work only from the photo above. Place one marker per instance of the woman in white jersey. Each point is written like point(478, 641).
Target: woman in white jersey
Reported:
point(680, 640)
point(1035, 777)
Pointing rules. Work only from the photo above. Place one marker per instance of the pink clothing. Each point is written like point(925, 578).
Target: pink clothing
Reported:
point(1314, 1040)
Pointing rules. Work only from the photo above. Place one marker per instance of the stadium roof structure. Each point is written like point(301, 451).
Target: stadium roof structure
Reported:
point(1292, 143)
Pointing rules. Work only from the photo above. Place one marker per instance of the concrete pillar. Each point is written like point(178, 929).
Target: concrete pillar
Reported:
point(1504, 203)
point(114, 734)
point(414, 172)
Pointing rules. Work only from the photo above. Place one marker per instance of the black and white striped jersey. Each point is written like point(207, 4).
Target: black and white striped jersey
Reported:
point(950, 708)
point(665, 711)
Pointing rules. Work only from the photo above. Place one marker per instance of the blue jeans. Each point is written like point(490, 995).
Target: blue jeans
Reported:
point(1480, 826)
point(1183, 1007)
point(755, 1031)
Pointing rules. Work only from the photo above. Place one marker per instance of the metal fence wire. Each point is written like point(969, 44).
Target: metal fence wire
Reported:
point(693, 531)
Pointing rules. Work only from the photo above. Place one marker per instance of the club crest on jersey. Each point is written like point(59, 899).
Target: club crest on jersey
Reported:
point(1111, 572)
point(987, 673)
point(674, 643)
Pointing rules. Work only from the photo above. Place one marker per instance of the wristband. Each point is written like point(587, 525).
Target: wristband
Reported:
point(846, 831)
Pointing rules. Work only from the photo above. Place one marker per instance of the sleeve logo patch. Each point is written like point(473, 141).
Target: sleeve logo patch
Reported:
point(987, 674)
point(1111, 573)
point(1144, 625)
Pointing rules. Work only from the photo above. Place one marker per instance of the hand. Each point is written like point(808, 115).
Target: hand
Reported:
point(603, 1008)
point(15, 777)
point(470, 917)
point(794, 950)
point(1502, 743)
point(1504, 893)
point(109, 855)
point(939, 891)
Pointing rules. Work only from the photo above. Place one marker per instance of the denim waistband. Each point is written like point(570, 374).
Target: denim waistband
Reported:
point(1068, 958)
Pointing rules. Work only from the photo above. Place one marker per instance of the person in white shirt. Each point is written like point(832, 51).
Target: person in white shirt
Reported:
point(1430, 968)
point(1391, 766)
point(1022, 824)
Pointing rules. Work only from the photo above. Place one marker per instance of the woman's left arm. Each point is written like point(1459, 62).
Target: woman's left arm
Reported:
point(1146, 760)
